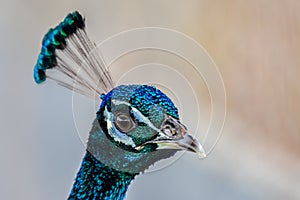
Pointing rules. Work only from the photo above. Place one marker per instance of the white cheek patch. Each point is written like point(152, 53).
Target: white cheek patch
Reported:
point(115, 133)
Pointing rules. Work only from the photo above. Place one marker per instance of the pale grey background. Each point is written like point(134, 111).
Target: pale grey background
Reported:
point(255, 45)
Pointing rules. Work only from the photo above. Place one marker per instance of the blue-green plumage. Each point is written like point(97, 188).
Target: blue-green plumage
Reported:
point(135, 126)
point(98, 181)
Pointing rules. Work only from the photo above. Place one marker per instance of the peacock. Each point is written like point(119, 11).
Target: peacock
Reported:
point(135, 126)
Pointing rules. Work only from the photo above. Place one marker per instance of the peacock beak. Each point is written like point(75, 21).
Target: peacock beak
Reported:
point(174, 135)
point(187, 142)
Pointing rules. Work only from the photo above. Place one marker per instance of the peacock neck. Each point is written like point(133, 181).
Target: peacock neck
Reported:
point(98, 181)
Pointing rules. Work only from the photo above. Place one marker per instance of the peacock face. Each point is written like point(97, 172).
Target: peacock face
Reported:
point(141, 120)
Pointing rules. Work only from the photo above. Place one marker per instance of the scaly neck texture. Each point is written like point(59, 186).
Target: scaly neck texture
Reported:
point(98, 181)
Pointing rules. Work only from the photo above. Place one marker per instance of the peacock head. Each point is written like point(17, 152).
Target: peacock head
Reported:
point(141, 126)
point(136, 125)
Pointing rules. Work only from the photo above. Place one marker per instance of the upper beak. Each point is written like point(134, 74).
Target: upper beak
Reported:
point(174, 135)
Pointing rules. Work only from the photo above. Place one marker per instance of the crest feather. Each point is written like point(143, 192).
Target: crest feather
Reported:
point(70, 58)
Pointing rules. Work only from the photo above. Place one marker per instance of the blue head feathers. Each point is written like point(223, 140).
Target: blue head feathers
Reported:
point(142, 97)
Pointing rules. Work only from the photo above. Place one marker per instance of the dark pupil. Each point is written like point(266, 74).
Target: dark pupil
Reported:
point(123, 122)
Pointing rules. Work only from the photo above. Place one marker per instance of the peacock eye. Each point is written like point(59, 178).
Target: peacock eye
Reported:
point(124, 122)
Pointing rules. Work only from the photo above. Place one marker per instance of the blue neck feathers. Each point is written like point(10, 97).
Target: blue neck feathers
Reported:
point(98, 181)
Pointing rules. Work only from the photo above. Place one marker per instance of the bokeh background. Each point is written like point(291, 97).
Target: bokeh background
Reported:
point(255, 45)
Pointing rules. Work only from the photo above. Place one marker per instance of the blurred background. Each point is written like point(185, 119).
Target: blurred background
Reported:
point(255, 45)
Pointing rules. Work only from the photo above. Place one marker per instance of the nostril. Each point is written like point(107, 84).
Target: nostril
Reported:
point(183, 131)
